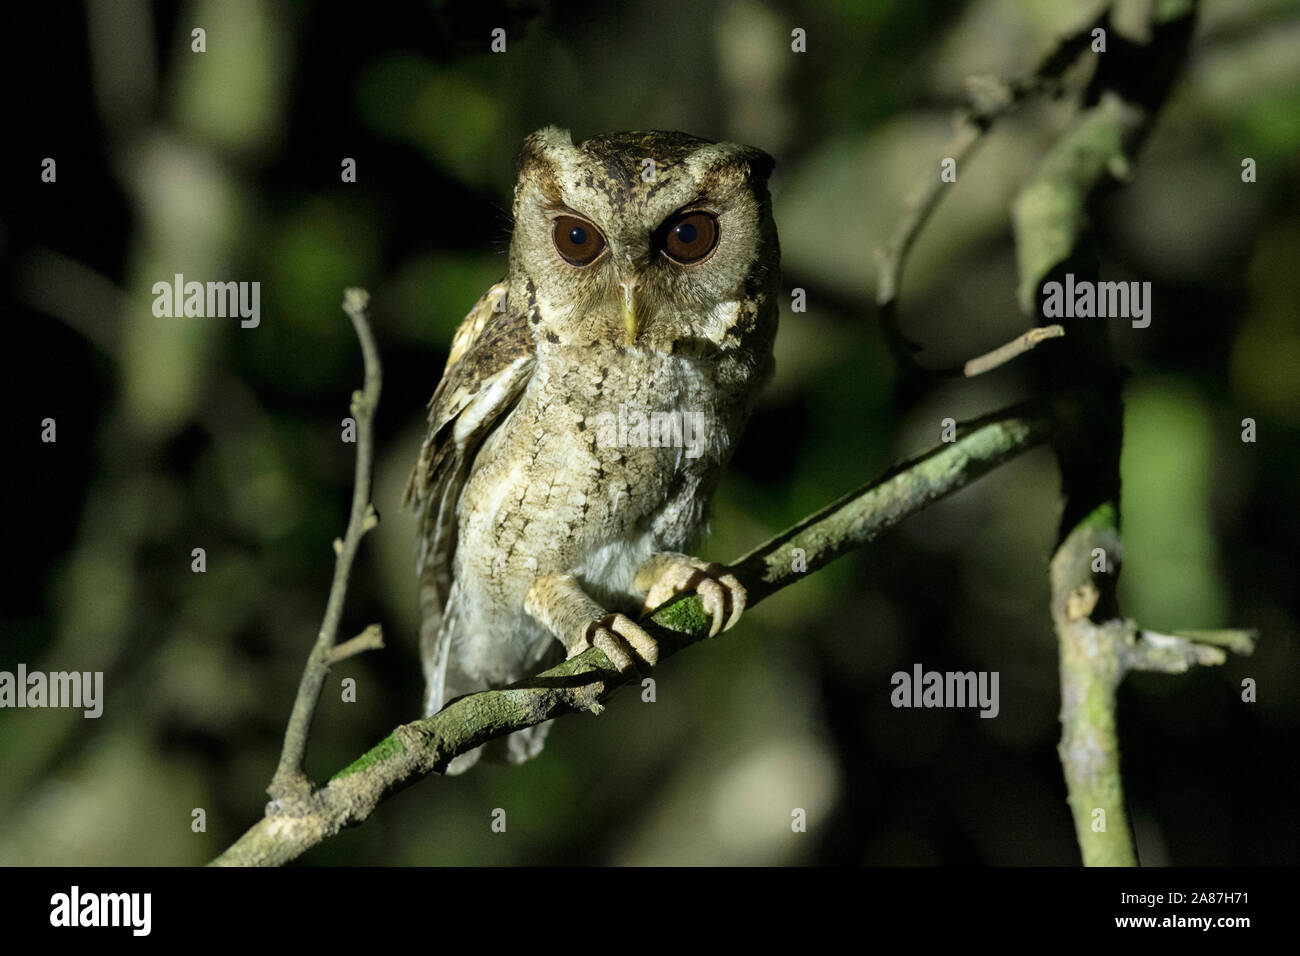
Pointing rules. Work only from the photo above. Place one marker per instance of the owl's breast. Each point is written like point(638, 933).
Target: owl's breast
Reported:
point(606, 459)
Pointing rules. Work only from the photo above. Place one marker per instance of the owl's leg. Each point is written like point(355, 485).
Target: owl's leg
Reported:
point(558, 602)
point(668, 573)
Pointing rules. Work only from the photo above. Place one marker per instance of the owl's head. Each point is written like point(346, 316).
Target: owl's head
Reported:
point(644, 239)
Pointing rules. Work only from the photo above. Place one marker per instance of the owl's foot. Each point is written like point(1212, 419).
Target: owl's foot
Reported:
point(667, 574)
point(558, 602)
point(623, 641)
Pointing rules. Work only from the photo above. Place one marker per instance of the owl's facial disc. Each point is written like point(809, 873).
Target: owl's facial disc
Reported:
point(608, 253)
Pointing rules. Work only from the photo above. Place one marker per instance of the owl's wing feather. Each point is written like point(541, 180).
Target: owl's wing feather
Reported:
point(491, 361)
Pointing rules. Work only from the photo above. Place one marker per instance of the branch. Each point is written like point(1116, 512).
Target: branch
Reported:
point(1097, 651)
point(1091, 669)
point(1098, 646)
point(290, 784)
point(1017, 346)
point(1177, 653)
point(371, 639)
point(989, 98)
point(579, 684)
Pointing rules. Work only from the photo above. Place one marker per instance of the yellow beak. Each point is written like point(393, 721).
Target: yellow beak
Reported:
point(629, 314)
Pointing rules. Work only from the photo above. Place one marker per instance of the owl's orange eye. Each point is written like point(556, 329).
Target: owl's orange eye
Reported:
point(691, 237)
point(576, 240)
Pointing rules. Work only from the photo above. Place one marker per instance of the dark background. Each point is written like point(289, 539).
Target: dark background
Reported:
point(183, 433)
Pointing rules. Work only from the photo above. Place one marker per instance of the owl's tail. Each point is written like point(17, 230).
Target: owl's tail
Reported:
point(438, 634)
point(436, 626)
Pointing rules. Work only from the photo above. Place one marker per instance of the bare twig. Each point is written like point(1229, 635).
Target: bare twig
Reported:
point(371, 639)
point(426, 746)
point(290, 783)
point(1017, 346)
point(1177, 653)
point(1237, 640)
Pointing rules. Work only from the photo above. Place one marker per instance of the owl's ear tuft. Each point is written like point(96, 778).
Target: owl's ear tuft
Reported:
point(760, 163)
point(537, 144)
point(538, 159)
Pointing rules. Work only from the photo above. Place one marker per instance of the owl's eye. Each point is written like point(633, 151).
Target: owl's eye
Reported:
point(691, 237)
point(576, 240)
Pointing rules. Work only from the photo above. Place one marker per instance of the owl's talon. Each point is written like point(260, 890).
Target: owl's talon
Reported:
point(714, 601)
point(739, 597)
point(720, 592)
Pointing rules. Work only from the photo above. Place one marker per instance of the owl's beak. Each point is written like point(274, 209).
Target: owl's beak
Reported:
point(629, 288)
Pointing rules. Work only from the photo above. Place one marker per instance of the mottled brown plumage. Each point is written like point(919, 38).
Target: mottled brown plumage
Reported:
point(588, 407)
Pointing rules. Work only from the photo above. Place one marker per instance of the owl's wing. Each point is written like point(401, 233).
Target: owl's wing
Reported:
point(492, 358)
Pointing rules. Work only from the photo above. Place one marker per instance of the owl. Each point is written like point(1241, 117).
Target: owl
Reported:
point(589, 404)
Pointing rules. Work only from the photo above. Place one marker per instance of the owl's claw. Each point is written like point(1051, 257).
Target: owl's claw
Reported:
point(623, 641)
point(720, 592)
point(558, 602)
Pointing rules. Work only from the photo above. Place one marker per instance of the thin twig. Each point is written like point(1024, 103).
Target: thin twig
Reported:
point(425, 746)
point(371, 639)
point(1178, 653)
point(290, 784)
point(1017, 346)
point(1237, 640)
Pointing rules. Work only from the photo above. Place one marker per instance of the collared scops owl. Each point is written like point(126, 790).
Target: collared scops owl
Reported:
point(589, 404)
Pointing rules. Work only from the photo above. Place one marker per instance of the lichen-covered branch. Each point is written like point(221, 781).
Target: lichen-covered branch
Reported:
point(1091, 668)
point(1097, 651)
point(1098, 646)
point(290, 784)
point(581, 683)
